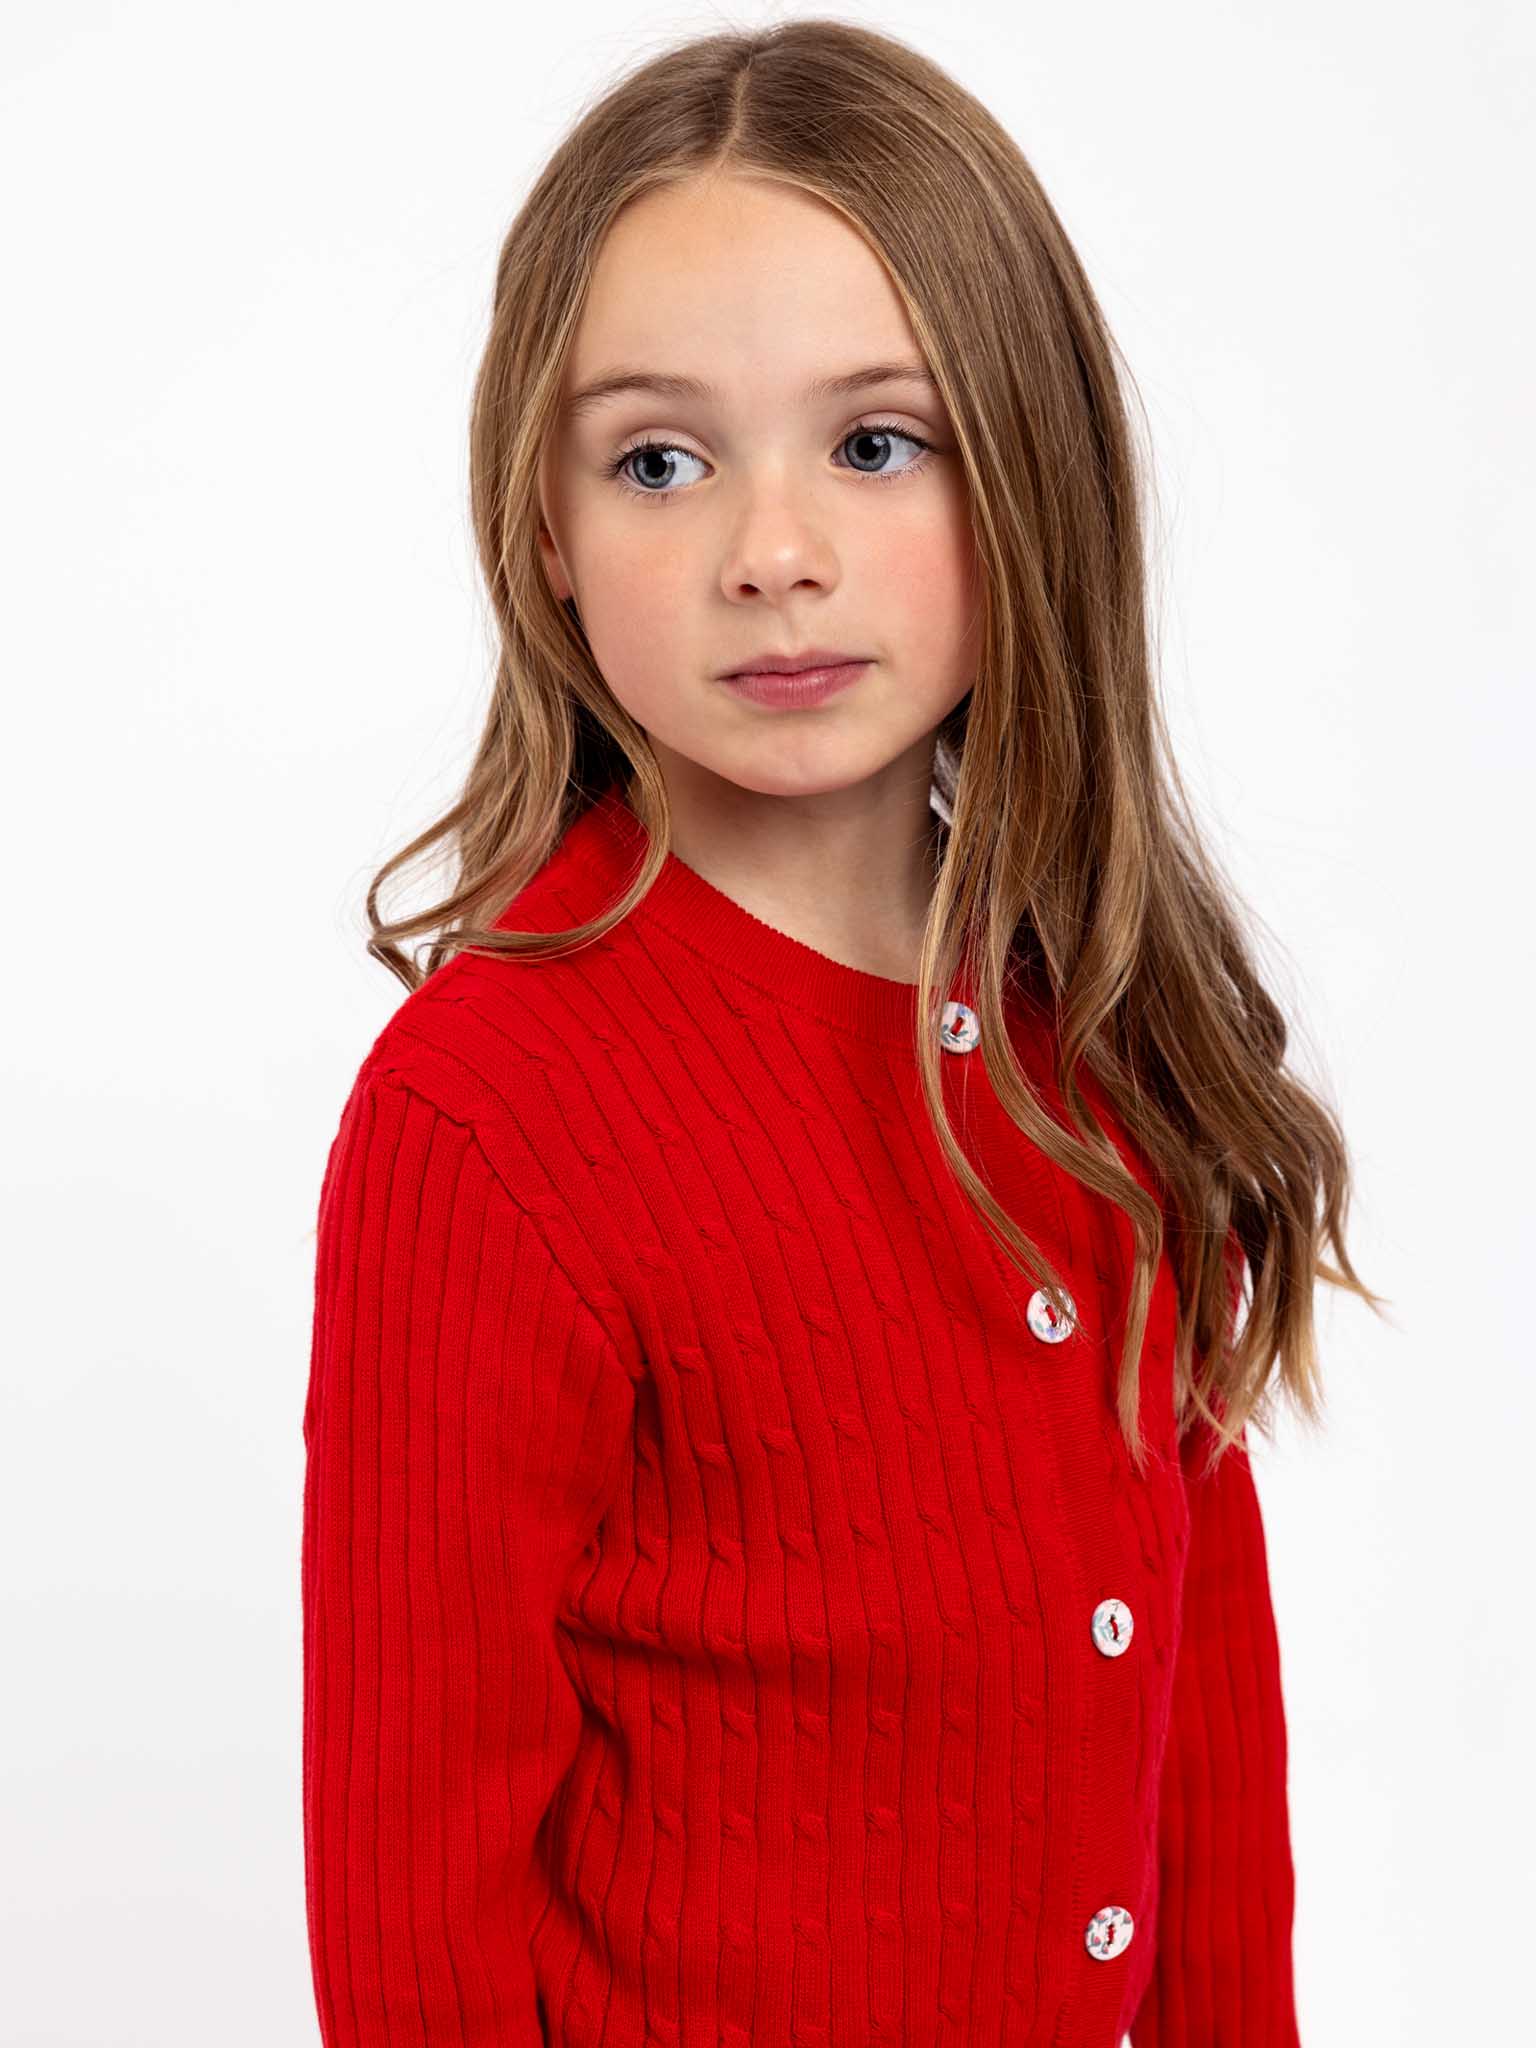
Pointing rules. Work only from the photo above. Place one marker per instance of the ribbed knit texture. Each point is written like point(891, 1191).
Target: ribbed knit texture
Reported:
point(701, 1549)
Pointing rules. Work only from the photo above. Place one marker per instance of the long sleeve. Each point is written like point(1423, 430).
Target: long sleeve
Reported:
point(1223, 1971)
point(466, 1418)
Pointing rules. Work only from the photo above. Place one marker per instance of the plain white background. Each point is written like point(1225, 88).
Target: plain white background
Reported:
point(248, 264)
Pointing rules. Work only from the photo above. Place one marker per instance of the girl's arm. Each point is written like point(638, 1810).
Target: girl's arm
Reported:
point(465, 1421)
point(1222, 1973)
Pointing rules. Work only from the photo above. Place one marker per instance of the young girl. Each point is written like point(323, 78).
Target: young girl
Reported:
point(781, 1559)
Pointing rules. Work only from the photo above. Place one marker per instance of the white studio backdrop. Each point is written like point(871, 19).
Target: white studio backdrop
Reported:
point(248, 261)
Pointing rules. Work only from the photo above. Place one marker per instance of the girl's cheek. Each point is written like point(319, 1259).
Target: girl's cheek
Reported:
point(644, 584)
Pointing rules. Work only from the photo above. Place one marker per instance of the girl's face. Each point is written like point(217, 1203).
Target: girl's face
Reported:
point(769, 521)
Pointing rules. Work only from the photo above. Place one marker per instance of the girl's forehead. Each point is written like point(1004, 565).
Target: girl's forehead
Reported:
point(729, 298)
point(678, 263)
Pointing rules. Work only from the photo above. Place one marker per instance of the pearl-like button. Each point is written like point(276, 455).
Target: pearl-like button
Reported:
point(1113, 1626)
point(959, 1028)
point(1109, 1931)
point(1049, 1327)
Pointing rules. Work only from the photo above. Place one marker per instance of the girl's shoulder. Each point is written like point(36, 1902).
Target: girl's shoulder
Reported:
point(484, 1061)
point(513, 1045)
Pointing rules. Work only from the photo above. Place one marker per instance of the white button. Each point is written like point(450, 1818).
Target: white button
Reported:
point(959, 1028)
point(1049, 1327)
point(1109, 1931)
point(1113, 1626)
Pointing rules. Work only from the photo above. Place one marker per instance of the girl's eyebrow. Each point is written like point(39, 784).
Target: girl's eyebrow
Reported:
point(613, 382)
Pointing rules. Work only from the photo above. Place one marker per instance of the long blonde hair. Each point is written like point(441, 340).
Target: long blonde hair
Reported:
point(1071, 858)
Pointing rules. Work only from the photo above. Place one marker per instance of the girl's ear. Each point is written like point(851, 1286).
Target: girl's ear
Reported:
point(554, 568)
point(549, 548)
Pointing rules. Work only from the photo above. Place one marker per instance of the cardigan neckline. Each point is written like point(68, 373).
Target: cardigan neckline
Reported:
point(609, 841)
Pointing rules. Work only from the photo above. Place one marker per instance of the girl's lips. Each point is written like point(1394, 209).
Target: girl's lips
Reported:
point(798, 687)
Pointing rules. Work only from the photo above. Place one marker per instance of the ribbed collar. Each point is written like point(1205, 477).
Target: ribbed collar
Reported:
point(608, 842)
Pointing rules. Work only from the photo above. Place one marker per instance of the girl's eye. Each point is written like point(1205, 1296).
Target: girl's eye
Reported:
point(659, 453)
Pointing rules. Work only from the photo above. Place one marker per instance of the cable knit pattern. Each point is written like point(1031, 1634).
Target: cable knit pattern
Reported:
point(703, 1553)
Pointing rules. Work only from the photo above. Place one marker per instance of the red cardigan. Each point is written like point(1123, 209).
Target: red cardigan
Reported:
point(731, 1619)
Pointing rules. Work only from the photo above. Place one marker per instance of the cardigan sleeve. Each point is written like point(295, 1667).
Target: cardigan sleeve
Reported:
point(464, 1426)
point(1222, 1974)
